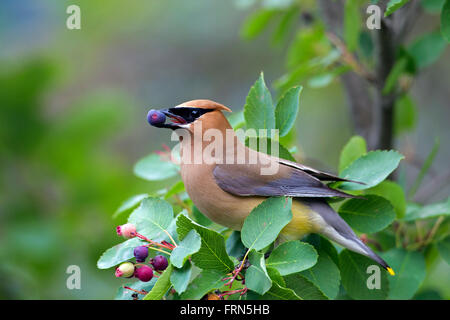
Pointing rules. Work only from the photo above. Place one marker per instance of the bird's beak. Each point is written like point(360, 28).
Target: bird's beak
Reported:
point(176, 121)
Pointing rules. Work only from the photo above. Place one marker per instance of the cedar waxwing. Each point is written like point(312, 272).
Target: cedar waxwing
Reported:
point(226, 187)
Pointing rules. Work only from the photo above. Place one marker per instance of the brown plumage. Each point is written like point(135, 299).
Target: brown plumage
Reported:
point(227, 192)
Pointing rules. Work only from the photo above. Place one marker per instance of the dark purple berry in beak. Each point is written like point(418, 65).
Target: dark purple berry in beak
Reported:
point(144, 273)
point(160, 263)
point(140, 253)
point(156, 117)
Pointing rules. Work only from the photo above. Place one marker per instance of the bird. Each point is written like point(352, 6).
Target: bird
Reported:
point(225, 186)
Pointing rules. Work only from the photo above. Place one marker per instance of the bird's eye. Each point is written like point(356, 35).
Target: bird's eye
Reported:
point(194, 113)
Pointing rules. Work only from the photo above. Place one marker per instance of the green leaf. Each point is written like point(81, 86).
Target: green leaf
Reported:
point(256, 23)
point(426, 166)
point(125, 294)
point(427, 49)
point(304, 288)
point(206, 281)
point(276, 276)
point(153, 168)
point(352, 24)
point(212, 253)
point(284, 26)
point(354, 148)
point(234, 245)
point(355, 277)
point(278, 292)
point(368, 215)
point(265, 222)
point(416, 212)
point(445, 21)
point(188, 246)
point(392, 192)
point(371, 169)
point(256, 277)
point(200, 218)
point(236, 119)
point(292, 256)
point(120, 253)
point(394, 5)
point(405, 114)
point(259, 142)
point(180, 277)
point(178, 187)
point(259, 112)
point(129, 204)
point(325, 275)
point(152, 218)
point(396, 71)
point(162, 285)
point(410, 272)
point(443, 247)
point(287, 109)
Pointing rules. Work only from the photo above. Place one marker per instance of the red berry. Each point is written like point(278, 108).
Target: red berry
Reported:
point(144, 273)
point(160, 263)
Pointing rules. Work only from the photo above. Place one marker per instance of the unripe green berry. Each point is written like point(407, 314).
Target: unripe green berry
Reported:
point(125, 270)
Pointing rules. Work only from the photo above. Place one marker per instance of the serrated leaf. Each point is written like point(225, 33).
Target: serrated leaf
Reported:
point(291, 257)
point(125, 294)
point(417, 212)
point(212, 253)
point(259, 112)
point(410, 272)
point(256, 277)
point(445, 21)
point(304, 288)
point(355, 277)
point(287, 109)
point(353, 149)
point(369, 215)
point(129, 204)
point(206, 281)
point(189, 245)
point(180, 277)
point(152, 218)
point(118, 254)
point(394, 5)
point(443, 247)
point(325, 275)
point(161, 286)
point(427, 49)
point(371, 169)
point(265, 222)
point(153, 168)
point(392, 192)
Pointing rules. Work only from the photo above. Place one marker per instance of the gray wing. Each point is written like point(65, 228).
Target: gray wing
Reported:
point(244, 180)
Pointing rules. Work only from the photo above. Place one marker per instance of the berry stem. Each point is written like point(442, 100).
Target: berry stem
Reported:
point(156, 249)
point(140, 236)
point(137, 291)
point(237, 271)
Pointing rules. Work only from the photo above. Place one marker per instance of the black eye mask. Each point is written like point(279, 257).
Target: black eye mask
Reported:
point(189, 114)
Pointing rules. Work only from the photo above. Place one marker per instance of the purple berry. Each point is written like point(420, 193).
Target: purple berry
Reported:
point(140, 253)
point(160, 263)
point(144, 273)
point(155, 117)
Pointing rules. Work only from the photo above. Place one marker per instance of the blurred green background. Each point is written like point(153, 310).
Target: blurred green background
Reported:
point(73, 107)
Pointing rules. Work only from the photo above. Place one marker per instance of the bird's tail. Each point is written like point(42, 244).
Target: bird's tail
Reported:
point(336, 229)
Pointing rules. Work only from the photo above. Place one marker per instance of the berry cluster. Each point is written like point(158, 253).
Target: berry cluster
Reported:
point(140, 270)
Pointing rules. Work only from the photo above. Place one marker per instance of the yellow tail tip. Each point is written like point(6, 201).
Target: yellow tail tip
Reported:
point(391, 271)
